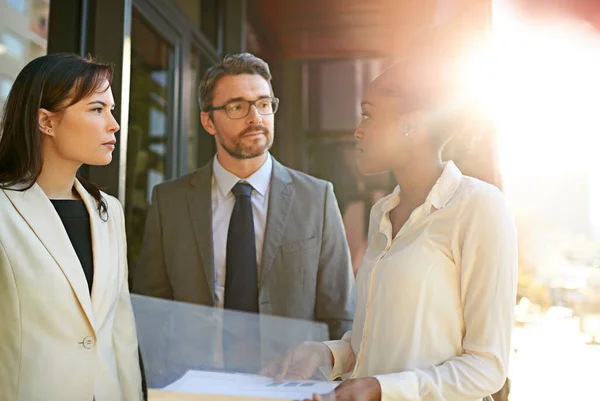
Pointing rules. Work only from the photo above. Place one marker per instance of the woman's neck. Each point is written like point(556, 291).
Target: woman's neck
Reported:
point(57, 178)
point(416, 181)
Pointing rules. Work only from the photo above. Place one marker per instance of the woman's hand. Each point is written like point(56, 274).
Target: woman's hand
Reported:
point(367, 389)
point(301, 363)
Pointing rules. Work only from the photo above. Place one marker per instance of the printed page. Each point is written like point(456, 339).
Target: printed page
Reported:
point(201, 382)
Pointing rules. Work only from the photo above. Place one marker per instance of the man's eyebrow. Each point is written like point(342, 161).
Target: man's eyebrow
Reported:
point(237, 99)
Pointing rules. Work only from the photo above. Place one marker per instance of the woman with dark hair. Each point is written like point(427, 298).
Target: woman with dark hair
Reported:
point(67, 329)
point(437, 286)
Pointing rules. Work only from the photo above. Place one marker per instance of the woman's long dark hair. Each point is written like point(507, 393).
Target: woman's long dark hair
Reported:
point(53, 82)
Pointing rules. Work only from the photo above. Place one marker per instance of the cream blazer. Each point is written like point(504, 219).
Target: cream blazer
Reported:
point(56, 342)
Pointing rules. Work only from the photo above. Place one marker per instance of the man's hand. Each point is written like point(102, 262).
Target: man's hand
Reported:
point(367, 389)
point(301, 363)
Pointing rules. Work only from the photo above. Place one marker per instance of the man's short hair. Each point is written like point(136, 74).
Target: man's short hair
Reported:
point(232, 64)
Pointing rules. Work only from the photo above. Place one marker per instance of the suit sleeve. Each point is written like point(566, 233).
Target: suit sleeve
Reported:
point(124, 332)
point(150, 277)
point(335, 281)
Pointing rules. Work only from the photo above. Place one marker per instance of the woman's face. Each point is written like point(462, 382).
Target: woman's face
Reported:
point(384, 139)
point(84, 133)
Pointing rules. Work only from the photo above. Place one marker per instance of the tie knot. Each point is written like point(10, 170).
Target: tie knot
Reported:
point(242, 189)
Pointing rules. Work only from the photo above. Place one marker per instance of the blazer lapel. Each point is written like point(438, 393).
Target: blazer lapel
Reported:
point(280, 202)
point(37, 210)
point(199, 201)
point(103, 253)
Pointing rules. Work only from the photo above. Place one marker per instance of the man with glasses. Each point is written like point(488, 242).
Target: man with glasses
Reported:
point(245, 232)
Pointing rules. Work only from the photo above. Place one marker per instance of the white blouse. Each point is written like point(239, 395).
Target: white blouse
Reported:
point(435, 304)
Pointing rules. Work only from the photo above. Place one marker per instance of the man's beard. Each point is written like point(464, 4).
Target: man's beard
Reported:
point(236, 148)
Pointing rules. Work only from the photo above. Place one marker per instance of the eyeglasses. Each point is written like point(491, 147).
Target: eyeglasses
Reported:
point(241, 108)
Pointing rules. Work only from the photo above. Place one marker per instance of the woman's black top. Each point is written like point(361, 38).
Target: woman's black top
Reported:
point(76, 220)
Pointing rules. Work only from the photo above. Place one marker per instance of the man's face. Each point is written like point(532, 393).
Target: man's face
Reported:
point(246, 137)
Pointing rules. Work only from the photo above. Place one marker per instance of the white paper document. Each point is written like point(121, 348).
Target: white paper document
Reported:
point(239, 384)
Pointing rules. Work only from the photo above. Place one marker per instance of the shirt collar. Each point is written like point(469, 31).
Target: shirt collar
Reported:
point(446, 186)
point(391, 201)
point(260, 180)
point(440, 194)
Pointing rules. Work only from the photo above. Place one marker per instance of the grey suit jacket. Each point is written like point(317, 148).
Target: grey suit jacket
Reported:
point(306, 268)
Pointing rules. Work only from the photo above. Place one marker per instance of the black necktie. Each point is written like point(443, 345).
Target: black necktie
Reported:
point(241, 283)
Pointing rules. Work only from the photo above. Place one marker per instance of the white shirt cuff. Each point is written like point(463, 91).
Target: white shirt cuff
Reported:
point(342, 354)
point(402, 386)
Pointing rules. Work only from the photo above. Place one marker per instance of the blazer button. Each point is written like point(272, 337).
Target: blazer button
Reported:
point(88, 342)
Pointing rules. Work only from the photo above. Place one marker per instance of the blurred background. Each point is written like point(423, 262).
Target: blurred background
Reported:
point(533, 65)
